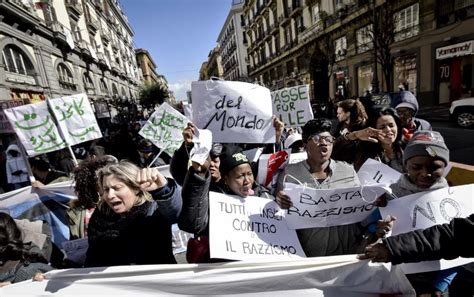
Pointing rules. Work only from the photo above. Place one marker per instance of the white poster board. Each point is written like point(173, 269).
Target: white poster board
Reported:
point(35, 128)
point(375, 172)
point(425, 209)
point(249, 229)
point(188, 110)
point(164, 128)
point(235, 112)
point(292, 105)
point(76, 118)
point(329, 207)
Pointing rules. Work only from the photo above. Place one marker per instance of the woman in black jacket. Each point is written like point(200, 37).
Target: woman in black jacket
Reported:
point(132, 222)
point(236, 179)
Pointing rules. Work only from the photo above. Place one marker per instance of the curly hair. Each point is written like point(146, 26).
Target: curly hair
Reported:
point(86, 181)
point(11, 243)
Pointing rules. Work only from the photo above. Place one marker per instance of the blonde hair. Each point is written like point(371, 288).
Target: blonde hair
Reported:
point(127, 173)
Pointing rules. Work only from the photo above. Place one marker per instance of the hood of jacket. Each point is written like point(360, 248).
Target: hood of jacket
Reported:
point(12, 147)
point(408, 98)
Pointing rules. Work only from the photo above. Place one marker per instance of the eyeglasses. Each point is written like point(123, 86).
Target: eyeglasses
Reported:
point(319, 138)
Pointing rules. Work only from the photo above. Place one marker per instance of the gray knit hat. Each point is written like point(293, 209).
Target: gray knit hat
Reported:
point(426, 143)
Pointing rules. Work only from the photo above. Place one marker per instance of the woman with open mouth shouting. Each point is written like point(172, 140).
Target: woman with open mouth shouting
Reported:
point(132, 224)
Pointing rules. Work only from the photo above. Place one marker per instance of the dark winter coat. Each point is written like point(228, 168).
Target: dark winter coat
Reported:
point(142, 236)
point(194, 216)
point(446, 241)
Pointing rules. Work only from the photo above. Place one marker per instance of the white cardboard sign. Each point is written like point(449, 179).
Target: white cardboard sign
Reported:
point(329, 207)
point(249, 229)
point(35, 128)
point(76, 118)
point(292, 105)
point(425, 209)
point(164, 128)
point(235, 112)
point(375, 172)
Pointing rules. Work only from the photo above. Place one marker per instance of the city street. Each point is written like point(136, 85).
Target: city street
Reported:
point(460, 141)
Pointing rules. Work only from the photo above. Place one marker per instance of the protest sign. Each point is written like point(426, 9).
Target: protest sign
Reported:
point(329, 207)
point(249, 229)
point(375, 172)
point(292, 105)
point(235, 112)
point(76, 118)
point(270, 165)
point(202, 140)
point(297, 157)
point(425, 209)
point(164, 128)
point(35, 128)
point(188, 110)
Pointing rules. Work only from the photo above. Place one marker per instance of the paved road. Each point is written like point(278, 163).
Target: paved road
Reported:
point(459, 141)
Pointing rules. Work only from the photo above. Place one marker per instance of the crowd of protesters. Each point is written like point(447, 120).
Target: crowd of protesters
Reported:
point(125, 206)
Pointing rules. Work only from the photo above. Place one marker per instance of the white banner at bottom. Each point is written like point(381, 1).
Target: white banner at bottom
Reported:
point(324, 276)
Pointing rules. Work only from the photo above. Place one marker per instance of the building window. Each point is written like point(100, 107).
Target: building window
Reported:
point(405, 74)
point(103, 86)
point(66, 81)
point(364, 82)
point(340, 46)
point(88, 84)
point(407, 22)
point(15, 61)
point(364, 39)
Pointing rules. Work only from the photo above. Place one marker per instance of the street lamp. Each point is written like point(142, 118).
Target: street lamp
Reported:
point(375, 78)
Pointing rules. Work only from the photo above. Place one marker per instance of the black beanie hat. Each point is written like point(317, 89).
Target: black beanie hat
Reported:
point(231, 157)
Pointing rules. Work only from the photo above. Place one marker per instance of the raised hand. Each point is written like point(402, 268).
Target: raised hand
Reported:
point(188, 133)
point(151, 179)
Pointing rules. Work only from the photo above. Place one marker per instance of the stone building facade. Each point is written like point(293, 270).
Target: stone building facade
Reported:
point(328, 45)
point(57, 48)
point(232, 42)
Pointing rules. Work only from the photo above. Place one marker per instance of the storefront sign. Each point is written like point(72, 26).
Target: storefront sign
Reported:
point(32, 97)
point(455, 50)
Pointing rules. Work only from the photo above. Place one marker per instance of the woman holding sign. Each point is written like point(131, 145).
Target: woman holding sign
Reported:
point(236, 179)
point(320, 171)
point(132, 223)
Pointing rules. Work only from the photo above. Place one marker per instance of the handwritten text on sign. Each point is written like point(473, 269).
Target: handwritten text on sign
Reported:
point(35, 128)
point(164, 128)
point(249, 229)
point(292, 105)
point(425, 209)
point(375, 172)
point(334, 207)
point(76, 118)
point(235, 112)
